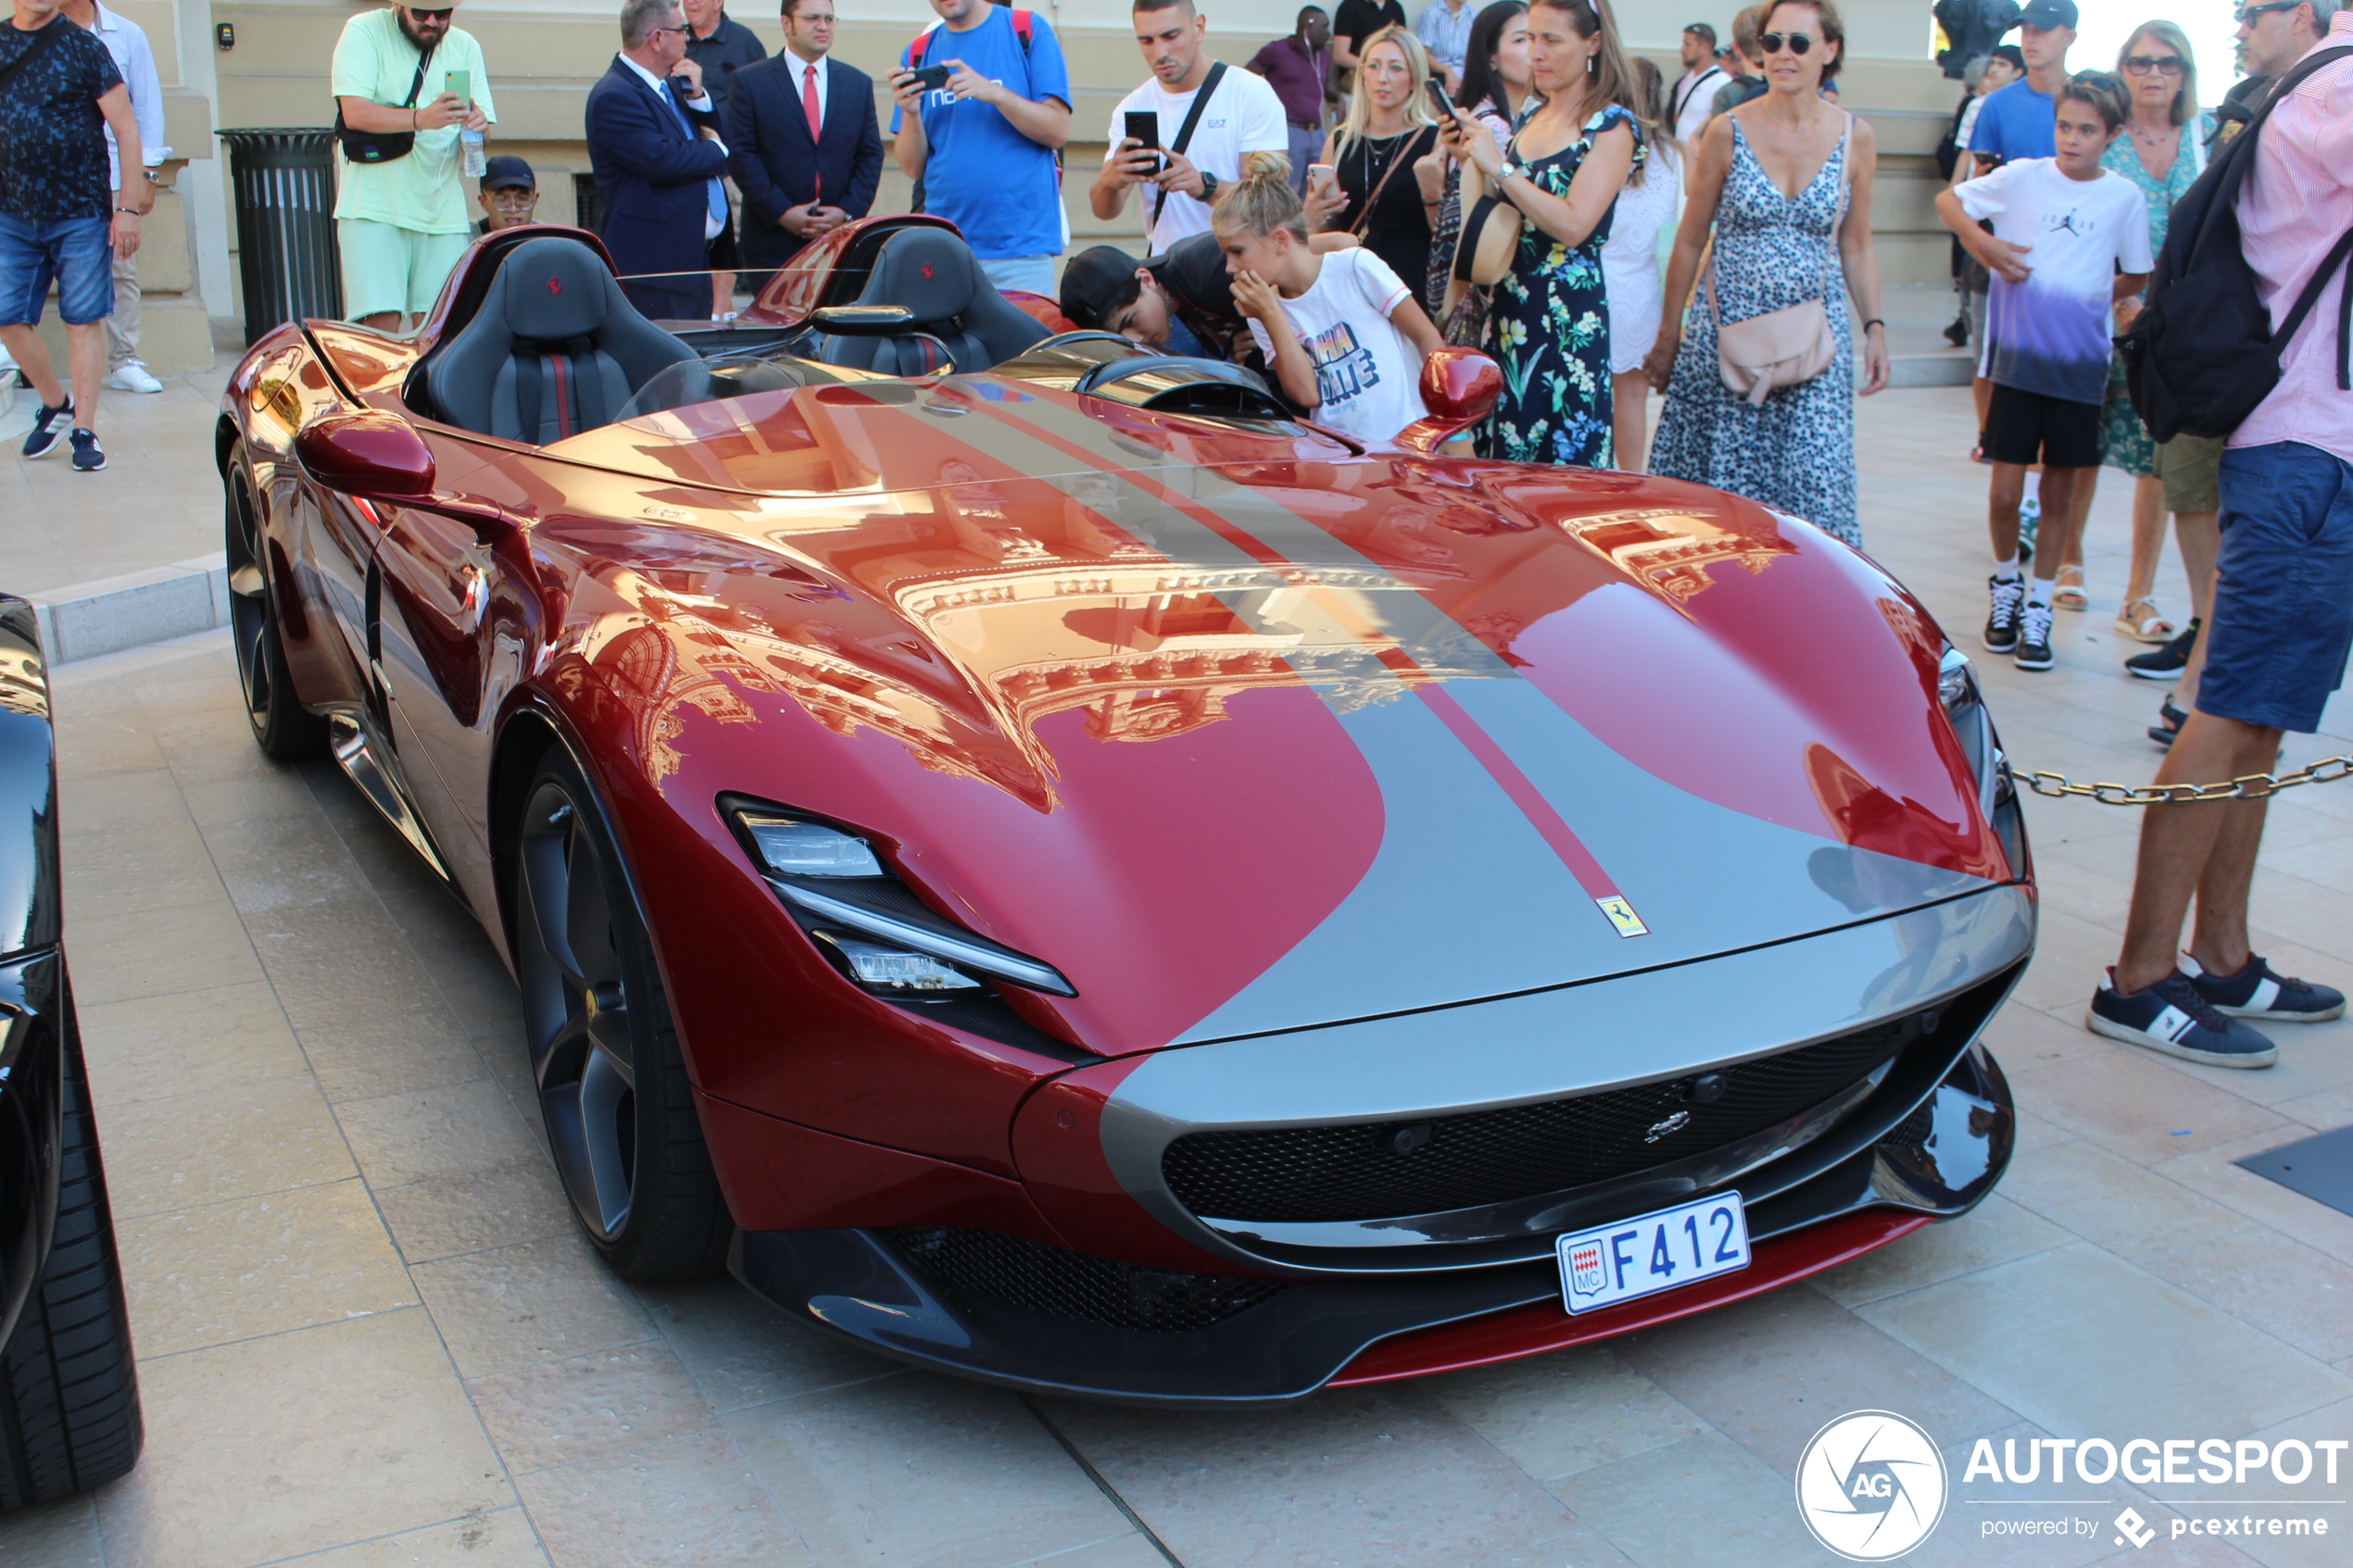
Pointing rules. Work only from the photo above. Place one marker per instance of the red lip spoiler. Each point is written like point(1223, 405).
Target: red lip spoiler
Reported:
point(1546, 1325)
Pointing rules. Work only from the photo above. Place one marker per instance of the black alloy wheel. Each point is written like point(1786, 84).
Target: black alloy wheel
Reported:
point(282, 726)
point(604, 1053)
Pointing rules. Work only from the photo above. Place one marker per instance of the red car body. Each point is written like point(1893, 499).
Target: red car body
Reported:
point(1347, 787)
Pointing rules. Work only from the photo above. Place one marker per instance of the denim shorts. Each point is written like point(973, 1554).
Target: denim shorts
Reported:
point(2284, 587)
point(76, 252)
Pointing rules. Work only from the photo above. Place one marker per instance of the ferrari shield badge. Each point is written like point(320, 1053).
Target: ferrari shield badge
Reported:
point(1621, 915)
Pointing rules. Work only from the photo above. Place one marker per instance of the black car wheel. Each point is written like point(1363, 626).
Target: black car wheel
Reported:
point(604, 1053)
point(69, 1391)
point(282, 726)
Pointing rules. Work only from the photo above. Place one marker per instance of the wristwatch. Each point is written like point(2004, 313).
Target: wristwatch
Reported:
point(1508, 171)
point(1208, 186)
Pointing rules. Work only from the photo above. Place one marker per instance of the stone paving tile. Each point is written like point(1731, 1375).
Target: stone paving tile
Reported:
point(1556, 1415)
point(690, 1499)
point(217, 1144)
point(742, 1351)
point(158, 953)
point(1995, 1232)
point(264, 1448)
point(2132, 1211)
point(454, 1130)
point(1703, 1502)
point(500, 1538)
point(58, 1534)
point(444, 1216)
point(2302, 1295)
point(426, 1050)
point(521, 1306)
point(589, 1407)
point(259, 1265)
point(154, 1047)
point(2213, 1173)
point(922, 1469)
point(1358, 1475)
point(2126, 1101)
point(2067, 1338)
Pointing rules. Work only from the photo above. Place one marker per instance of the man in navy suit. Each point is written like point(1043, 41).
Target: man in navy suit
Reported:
point(806, 147)
point(653, 142)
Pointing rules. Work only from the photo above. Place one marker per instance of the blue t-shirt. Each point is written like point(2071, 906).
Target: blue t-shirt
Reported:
point(981, 174)
point(2016, 122)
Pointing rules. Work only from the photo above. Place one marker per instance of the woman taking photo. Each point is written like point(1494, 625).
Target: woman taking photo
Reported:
point(1630, 267)
point(1494, 89)
point(1378, 196)
point(1785, 180)
point(1548, 324)
point(2160, 152)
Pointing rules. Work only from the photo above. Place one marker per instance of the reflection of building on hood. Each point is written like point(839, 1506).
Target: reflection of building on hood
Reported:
point(1671, 551)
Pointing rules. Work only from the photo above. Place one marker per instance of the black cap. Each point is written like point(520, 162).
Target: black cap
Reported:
point(506, 171)
point(1096, 283)
point(2048, 14)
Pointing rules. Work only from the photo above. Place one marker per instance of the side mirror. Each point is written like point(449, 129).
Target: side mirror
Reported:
point(368, 454)
point(1459, 388)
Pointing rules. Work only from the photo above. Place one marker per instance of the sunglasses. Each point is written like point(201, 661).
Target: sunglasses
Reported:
point(1799, 43)
point(441, 16)
point(2247, 18)
point(2141, 64)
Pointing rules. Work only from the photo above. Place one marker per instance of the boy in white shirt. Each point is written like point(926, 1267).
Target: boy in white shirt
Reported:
point(1341, 331)
point(2071, 239)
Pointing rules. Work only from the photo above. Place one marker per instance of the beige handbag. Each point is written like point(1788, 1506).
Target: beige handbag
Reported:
point(1786, 348)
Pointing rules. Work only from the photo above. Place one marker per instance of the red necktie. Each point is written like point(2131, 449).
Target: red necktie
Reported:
point(816, 119)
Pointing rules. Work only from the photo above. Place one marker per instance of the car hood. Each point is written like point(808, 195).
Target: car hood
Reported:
point(1248, 730)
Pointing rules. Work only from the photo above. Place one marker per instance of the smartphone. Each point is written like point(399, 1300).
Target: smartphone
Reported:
point(1322, 177)
point(460, 83)
point(1438, 103)
point(1143, 125)
point(934, 78)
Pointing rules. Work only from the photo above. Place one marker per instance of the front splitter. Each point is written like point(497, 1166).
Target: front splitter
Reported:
point(1940, 1162)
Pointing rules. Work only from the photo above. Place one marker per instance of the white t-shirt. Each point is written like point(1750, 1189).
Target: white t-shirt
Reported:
point(1693, 97)
point(1243, 115)
point(1367, 373)
point(2050, 334)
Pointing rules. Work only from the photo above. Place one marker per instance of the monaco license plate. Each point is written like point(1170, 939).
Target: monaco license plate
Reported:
point(1652, 1252)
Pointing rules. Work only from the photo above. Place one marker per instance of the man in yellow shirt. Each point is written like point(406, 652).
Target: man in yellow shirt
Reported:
point(401, 217)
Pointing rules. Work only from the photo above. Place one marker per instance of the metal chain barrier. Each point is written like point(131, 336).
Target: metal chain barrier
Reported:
point(2254, 786)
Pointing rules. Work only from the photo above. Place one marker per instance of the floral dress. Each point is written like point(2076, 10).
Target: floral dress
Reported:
point(2124, 440)
point(1548, 328)
point(1798, 452)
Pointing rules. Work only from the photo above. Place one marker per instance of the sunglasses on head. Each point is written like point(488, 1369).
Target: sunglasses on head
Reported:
point(2141, 64)
point(1799, 43)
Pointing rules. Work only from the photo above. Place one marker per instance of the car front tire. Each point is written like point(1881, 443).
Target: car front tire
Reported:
point(604, 1057)
point(282, 726)
point(69, 1390)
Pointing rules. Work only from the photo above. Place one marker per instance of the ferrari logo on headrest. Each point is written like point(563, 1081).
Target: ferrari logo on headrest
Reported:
point(555, 285)
point(926, 271)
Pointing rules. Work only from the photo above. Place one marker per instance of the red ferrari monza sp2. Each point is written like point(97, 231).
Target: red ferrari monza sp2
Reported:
point(1053, 867)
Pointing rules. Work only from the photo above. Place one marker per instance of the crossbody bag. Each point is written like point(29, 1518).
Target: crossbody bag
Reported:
point(1185, 131)
point(1786, 348)
point(382, 146)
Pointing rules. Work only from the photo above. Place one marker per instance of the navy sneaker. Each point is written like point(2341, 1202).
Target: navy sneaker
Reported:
point(2172, 1018)
point(2258, 991)
point(2034, 637)
point(49, 428)
point(2165, 663)
point(88, 455)
point(2008, 594)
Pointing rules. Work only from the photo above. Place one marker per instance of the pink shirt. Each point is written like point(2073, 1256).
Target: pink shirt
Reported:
point(2296, 203)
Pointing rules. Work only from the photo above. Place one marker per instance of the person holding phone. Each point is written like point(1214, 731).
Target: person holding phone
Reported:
point(402, 219)
point(983, 111)
point(1189, 130)
point(1385, 189)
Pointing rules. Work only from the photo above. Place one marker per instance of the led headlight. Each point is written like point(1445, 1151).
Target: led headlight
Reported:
point(1964, 705)
point(895, 942)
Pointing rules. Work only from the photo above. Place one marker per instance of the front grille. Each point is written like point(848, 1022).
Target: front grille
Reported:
point(1379, 1169)
point(987, 1265)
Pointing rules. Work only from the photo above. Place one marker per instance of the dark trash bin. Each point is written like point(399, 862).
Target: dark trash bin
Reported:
point(285, 181)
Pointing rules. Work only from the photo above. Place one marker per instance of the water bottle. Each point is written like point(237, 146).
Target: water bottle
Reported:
point(470, 143)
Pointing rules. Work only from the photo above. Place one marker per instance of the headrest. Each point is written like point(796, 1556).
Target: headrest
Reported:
point(553, 288)
point(928, 270)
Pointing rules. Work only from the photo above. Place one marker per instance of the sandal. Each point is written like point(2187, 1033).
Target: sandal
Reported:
point(2169, 722)
point(2069, 593)
point(2139, 621)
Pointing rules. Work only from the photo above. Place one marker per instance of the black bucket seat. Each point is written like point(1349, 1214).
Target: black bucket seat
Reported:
point(934, 276)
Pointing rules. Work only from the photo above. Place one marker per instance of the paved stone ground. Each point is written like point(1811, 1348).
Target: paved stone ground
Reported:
point(369, 1336)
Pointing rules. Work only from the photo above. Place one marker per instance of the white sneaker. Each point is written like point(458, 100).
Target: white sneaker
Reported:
point(131, 376)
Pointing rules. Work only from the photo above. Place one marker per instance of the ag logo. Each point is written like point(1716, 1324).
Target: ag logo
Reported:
point(1871, 1486)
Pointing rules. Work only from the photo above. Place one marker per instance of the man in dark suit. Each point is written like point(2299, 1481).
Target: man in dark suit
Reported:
point(653, 144)
point(805, 146)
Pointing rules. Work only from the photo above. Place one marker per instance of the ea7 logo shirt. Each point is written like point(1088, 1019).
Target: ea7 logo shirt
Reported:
point(1242, 118)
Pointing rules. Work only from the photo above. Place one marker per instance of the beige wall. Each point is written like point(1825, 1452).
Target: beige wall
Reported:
point(543, 57)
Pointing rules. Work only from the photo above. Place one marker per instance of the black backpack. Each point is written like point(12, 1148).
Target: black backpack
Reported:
point(2202, 355)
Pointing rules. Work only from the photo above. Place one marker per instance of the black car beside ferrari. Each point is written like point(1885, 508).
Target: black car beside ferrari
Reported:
point(68, 1393)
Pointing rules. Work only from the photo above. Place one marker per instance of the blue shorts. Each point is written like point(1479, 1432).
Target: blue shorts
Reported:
point(76, 252)
point(2284, 587)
